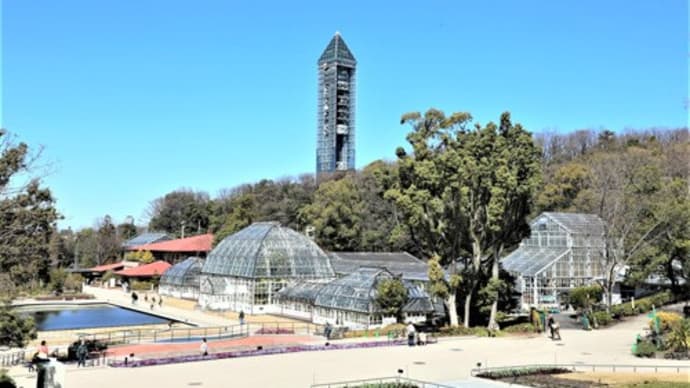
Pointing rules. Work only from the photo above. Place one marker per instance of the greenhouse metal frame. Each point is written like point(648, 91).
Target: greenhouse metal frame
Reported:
point(564, 250)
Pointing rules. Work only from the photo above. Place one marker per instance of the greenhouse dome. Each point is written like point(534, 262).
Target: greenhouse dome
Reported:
point(247, 269)
point(182, 279)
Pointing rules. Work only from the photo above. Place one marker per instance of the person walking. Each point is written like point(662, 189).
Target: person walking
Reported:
point(327, 330)
point(82, 352)
point(204, 347)
point(411, 331)
point(241, 317)
point(160, 301)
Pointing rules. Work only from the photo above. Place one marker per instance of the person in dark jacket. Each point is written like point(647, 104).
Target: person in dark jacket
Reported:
point(82, 352)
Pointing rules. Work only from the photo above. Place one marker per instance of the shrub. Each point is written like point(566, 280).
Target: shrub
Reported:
point(462, 330)
point(586, 296)
point(5, 380)
point(602, 318)
point(645, 349)
point(396, 329)
point(15, 330)
point(679, 338)
point(141, 285)
point(517, 372)
point(521, 328)
point(643, 305)
point(666, 321)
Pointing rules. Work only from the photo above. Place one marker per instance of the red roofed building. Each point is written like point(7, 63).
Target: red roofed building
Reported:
point(174, 251)
point(145, 271)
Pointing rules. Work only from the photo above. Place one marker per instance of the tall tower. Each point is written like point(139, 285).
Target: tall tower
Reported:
point(335, 147)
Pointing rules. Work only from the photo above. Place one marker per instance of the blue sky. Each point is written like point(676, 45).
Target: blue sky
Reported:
point(133, 99)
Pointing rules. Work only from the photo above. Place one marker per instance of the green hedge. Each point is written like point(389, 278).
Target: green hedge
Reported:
point(602, 317)
point(520, 328)
point(462, 330)
point(518, 372)
point(645, 349)
point(643, 305)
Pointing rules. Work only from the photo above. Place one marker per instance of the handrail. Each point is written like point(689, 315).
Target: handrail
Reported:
point(380, 380)
point(182, 334)
point(575, 367)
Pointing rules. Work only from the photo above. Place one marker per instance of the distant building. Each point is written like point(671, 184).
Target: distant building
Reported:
point(404, 264)
point(351, 301)
point(174, 251)
point(146, 238)
point(335, 149)
point(564, 250)
point(245, 271)
point(182, 279)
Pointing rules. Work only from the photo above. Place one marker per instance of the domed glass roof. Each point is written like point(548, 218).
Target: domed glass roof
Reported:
point(268, 250)
point(183, 274)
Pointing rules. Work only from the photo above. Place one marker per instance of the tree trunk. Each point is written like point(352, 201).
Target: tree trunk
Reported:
point(468, 301)
point(493, 325)
point(452, 308)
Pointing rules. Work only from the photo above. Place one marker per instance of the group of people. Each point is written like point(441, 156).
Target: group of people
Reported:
point(135, 299)
point(414, 337)
point(43, 354)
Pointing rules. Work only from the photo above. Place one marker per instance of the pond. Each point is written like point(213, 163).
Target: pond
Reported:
point(70, 317)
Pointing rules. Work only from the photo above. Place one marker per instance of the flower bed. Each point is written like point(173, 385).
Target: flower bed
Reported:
point(251, 353)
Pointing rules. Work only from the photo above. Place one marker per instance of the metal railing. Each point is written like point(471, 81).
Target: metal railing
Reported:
point(589, 368)
point(187, 334)
point(12, 357)
point(382, 380)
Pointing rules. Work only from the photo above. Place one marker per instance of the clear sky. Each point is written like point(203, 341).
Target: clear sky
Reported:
point(133, 99)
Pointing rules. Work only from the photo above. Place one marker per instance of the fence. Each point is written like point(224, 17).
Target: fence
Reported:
point(591, 368)
point(382, 380)
point(137, 336)
point(12, 357)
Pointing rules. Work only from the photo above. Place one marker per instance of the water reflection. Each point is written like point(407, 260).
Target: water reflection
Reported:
point(80, 317)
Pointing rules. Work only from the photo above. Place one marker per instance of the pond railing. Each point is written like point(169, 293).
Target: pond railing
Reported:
point(381, 380)
point(590, 368)
point(188, 334)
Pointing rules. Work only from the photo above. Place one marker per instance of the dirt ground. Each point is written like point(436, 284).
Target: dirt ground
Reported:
point(619, 378)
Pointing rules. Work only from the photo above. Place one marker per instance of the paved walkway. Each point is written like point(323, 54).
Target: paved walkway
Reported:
point(449, 360)
point(214, 346)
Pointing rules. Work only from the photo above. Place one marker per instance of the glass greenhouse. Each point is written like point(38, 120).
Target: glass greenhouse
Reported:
point(351, 300)
point(182, 279)
point(246, 270)
point(403, 263)
point(564, 250)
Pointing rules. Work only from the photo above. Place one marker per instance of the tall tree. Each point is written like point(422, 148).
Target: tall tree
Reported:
point(428, 196)
point(336, 215)
point(180, 212)
point(466, 193)
point(108, 241)
point(625, 186)
point(27, 216)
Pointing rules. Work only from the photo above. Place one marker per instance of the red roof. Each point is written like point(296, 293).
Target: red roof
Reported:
point(201, 243)
point(108, 267)
point(147, 270)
